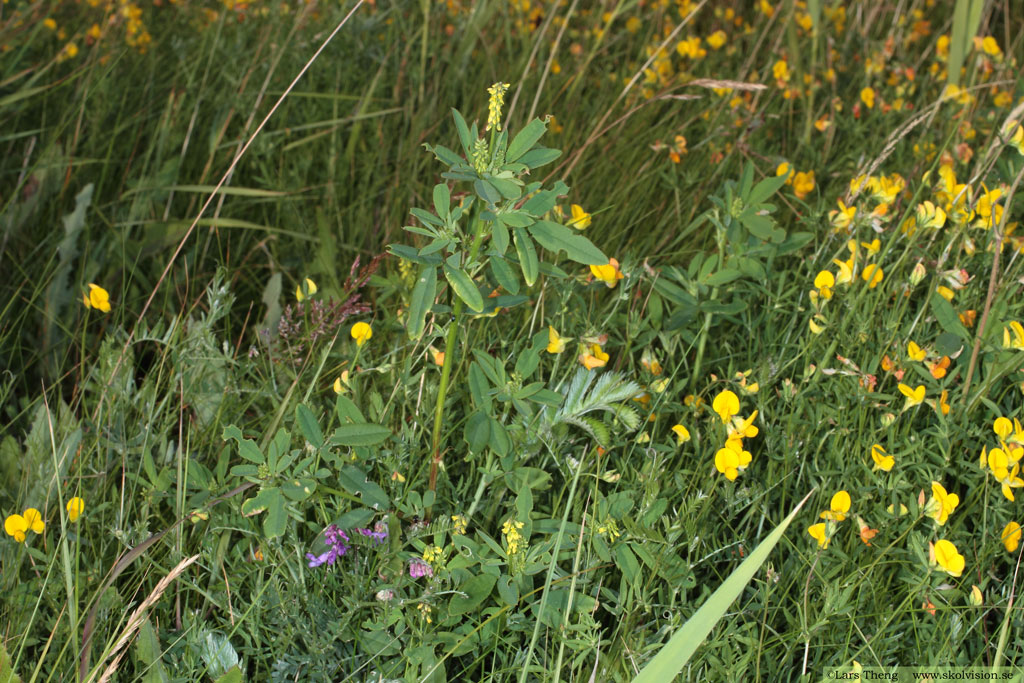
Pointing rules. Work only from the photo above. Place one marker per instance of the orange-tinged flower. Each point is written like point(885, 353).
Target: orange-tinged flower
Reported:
point(939, 368)
point(944, 402)
point(608, 274)
point(1011, 536)
point(866, 532)
point(803, 184)
point(842, 217)
point(594, 358)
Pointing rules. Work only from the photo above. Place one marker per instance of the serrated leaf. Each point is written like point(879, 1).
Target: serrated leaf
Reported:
point(464, 287)
point(555, 238)
point(421, 300)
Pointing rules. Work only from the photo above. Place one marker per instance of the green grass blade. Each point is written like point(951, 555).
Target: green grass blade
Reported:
point(677, 651)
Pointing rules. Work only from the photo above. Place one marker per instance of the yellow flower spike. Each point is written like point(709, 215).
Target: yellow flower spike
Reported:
point(726, 404)
point(839, 506)
point(494, 104)
point(867, 96)
point(580, 218)
point(305, 289)
point(683, 433)
point(883, 461)
point(608, 274)
point(947, 557)
point(817, 532)
point(780, 71)
point(97, 298)
point(75, 507)
point(16, 527)
point(941, 504)
point(842, 218)
point(1011, 536)
point(1013, 336)
point(915, 352)
point(914, 396)
point(872, 275)
point(361, 332)
point(556, 342)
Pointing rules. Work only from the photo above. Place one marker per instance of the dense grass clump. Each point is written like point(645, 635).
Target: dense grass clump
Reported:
point(493, 341)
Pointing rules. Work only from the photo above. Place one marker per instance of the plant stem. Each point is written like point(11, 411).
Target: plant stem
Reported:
point(458, 307)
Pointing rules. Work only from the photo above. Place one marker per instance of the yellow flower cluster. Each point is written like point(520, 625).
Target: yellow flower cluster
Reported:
point(839, 508)
point(733, 458)
point(1004, 461)
point(514, 542)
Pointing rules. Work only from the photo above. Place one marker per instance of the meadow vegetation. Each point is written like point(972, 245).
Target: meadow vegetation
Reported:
point(508, 337)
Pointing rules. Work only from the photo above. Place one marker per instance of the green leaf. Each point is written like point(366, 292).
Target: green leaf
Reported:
point(347, 411)
point(148, 651)
point(524, 141)
point(500, 442)
point(539, 156)
point(626, 561)
point(527, 253)
point(499, 236)
point(765, 189)
point(947, 317)
point(476, 591)
point(761, 227)
point(404, 251)
point(426, 217)
point(508, 589)
point(479, 388)
point(355, 481)
point(555, 238)
point(422, 299)
point(464, 137)
point(299, 489)
point(517, 219)
point(247, 448)
point(232, 675)
point(309, 426)
point(442, 201)
point(486, 191)
point(478, 431)
point(544, 200)
point(359, 435)
point(724, 277)
point(507, 188)
point(504, 274)
point(675, 654)
point(464, 287)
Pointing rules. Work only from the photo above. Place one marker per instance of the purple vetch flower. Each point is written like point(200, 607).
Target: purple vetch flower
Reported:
point(336, 541)
point(378, 536)
point(418, 568)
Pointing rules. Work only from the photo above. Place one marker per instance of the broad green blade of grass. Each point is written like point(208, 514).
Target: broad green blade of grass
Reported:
point(677, 651)
point(966, 20)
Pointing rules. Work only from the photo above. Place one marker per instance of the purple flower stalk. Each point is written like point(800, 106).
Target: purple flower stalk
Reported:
point(336, 540)
point(418, 568)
